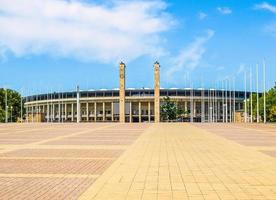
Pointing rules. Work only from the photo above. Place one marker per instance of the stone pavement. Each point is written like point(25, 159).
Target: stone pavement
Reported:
point(137, 161)
point(181, 161)
point(58, 161)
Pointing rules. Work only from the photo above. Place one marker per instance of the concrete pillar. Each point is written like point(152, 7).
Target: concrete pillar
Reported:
point(59, 112)
point(202, 106)
point(95, 111)
point(186, 106)
point(194, 108)
point(130, 112)
point(65, 111)
point(122, 92)
point(72, 112)
point(78, 104)
point(27, 113)
point(191, 106)
point(149, 111)
point(112, 112)
point(48, 112)
point(53, 112)
point(103, 111)
point(32, 114)
point(140, 118)
point(87, 111)
point(62, 111)
point(156, 92)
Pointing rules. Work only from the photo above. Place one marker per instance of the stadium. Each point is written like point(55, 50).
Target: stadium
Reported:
point(136, 105)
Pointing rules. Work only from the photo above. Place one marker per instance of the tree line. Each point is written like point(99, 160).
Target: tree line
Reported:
point(169, 110)
point(13, 105)
point(270, 106)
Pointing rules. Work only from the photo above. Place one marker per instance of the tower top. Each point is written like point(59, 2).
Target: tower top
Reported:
point(122, 64)
point(156, 63)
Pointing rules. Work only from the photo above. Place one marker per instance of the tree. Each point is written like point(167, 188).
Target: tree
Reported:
point(14, 105)
point(272, 114)
point(170, 111)
point(270, 105)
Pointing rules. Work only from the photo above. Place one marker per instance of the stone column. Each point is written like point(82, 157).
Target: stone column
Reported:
point(95, 111)
point(185, 107)
point(122, 92)
point(156, 92)
point(72, 112)
point(130, 112)
point(140, 119)
point(78, 105)
point(32, 114)
point(194, 108)
point(65, 111)
point(27, 114)
point(149, 111)
point(58, 111)
point(202, 106)
point(112, 113)
point(103, 111)
point(87, 111)
point(48, 112)
point(191, 106)
point(53, 112)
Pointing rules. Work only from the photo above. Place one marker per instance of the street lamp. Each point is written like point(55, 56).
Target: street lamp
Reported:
point(11, 113)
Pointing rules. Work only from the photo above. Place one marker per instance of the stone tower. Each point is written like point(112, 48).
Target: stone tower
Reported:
point(156, 92)
point(122, 92)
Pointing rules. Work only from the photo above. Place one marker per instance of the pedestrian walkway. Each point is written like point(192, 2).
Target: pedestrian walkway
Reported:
point(182, 161)
point(113, 161)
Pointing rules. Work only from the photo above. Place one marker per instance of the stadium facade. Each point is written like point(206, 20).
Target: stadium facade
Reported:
point(134, 105)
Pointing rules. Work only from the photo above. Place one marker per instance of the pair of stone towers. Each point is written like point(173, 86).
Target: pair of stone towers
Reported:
point(122, 84)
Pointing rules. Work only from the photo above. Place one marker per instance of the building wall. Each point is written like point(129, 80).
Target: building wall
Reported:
point(137, 109)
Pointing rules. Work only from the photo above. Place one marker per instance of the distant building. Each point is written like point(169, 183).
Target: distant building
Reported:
point(134, 105)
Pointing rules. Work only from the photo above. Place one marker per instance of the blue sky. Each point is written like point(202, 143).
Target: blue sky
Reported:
point(54, 45)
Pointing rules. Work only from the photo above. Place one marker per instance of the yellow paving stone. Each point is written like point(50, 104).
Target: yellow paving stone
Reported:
point(179, 195)
point(196, 197)
point(178, 161)
point(149, 195)
point(134, 195)
point(167, 161)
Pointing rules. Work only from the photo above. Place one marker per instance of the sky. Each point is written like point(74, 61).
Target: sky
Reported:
point(55, 45)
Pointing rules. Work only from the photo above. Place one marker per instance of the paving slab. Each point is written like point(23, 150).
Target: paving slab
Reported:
point(182, 161)
point(137, 161)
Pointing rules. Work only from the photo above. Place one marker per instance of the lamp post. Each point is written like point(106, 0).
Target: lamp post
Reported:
point(11, 113)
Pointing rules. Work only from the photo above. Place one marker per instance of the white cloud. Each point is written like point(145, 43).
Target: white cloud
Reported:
point(190, 56)
point(224, 10)
point(88, 32)
point(202, 15)
point(266, 6)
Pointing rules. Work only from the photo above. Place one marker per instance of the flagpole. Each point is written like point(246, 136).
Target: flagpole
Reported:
point(264, 91)
point(226, 106)
point(6, 105)
point(223, 98)
point(230, 103)
point(234, 99)
point(257, 91)
point(245, 99)
point(21, 105)
point(251, 103)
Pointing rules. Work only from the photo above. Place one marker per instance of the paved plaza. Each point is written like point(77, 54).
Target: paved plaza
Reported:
point(137, 161)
